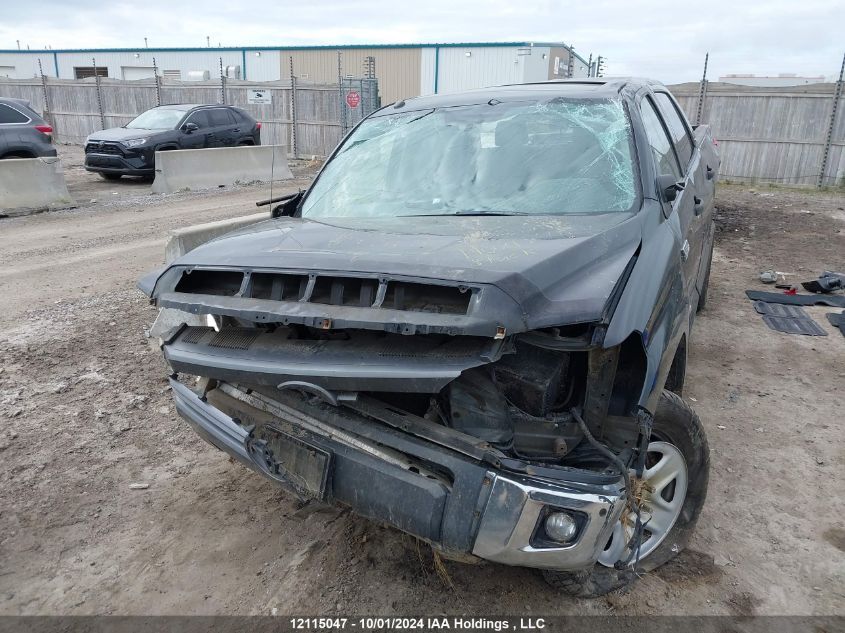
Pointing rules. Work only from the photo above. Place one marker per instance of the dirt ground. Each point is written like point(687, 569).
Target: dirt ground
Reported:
point(86, 412)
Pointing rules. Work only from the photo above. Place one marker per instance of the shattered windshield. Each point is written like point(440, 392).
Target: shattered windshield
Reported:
point(564, 156)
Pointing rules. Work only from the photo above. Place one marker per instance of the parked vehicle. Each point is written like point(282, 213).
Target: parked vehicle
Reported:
point(130, 150)
point(473, 327)
point(23, 133)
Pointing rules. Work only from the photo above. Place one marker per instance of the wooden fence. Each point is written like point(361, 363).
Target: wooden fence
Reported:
point(776, 135)
point(313, 125)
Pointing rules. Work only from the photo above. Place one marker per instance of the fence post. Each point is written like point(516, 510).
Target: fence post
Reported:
point(47, 116)
point(702, 91)
point(837, 93)
point(294, 150)
point(158, 84)
point(222, 84)
point(342, 111)
point(99, 95)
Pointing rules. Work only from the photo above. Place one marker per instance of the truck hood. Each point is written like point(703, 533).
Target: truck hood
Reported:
point(558, 269)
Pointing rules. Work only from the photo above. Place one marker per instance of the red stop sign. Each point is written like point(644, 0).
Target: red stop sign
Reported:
point(353, 99)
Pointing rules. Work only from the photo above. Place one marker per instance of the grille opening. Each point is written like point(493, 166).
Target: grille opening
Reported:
point(223, 283)
point(278, 287)
point(426, 298)
point(344, 291)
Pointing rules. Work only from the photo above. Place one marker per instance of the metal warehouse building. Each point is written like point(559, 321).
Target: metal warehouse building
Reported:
point(403, 70)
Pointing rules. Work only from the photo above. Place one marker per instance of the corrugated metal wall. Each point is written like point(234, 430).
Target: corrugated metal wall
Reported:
point(397, 69)
point(771, 134)
point(491, 66)
point(259, 65)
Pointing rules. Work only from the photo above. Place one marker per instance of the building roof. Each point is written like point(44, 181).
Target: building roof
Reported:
point(207, 49)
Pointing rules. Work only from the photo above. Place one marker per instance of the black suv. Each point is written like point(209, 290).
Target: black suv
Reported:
point(23, 133)
point(130, 150)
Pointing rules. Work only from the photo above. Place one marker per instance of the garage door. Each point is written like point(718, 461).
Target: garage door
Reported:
point(138, 72)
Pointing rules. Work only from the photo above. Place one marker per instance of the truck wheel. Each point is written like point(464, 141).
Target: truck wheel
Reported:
point(677, 468)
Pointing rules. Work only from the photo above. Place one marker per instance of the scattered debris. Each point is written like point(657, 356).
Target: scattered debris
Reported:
point(789, 319)
point(768, 277)
point(827, 282)
point(837, 320)
point(835, 301)
point(138, 486)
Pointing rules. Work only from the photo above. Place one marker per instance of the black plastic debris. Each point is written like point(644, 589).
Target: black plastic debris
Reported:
point(837, 320)
point(827, 282)
point(834, 301)
point(788, 319)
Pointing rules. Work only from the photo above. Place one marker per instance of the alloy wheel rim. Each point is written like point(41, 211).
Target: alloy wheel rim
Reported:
point(666, 481)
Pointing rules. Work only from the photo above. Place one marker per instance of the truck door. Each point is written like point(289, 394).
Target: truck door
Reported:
point(222, 132)
point(684, 207)
point(196, 139)
point(701, 188)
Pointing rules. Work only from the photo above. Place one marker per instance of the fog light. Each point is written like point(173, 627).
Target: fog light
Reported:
point(561, 527)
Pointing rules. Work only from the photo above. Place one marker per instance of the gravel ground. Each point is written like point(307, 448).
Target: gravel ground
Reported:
point(86, 413)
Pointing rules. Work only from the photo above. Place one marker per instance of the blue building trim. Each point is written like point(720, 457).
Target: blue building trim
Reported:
point(244, 49)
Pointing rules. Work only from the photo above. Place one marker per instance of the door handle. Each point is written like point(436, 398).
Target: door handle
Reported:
point(237, 130)
point(685, 250)
point(710, 173)
point(699, 207)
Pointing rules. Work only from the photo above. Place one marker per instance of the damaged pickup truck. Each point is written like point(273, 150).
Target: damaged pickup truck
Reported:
point(472, 327)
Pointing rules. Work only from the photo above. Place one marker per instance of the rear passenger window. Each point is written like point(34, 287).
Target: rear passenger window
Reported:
point(661, 146)
point(219, 116)
point(10, 115)
point(677, 129)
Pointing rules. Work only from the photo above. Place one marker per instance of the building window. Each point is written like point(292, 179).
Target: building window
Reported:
point(172, 74)
point(82, 72)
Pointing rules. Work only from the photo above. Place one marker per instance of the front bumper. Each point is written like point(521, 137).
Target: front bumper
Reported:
point(460, 506)
point(133, 164)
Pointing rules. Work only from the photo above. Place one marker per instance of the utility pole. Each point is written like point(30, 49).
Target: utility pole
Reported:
point(702, 91)
point(19, 44)
point(837, 95)
point(145, 43)
point(590, 66)
point(208, 41)
point(600, 66)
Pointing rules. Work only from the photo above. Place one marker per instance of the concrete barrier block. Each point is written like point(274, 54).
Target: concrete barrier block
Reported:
point(206, 168)
point(32, 184)
point(183, 240)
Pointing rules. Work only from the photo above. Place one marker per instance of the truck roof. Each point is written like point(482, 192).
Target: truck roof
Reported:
point(596, 87)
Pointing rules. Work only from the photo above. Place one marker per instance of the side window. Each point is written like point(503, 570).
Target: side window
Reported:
point(661, 146)
point(10, 115)
point(219, 116)
point(200, 118)
point(677, 129)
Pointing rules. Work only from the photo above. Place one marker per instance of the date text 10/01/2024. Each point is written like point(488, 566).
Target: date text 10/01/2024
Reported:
point(421, 623)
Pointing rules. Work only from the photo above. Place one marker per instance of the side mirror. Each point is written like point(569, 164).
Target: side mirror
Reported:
point(669, 187)
point(187, 128)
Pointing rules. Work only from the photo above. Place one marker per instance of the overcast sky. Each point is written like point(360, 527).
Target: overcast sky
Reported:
point(660, 39)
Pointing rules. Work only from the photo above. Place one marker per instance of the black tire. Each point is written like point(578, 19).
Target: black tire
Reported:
point(674, 422)
point(702, 298)
point(110, 176)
